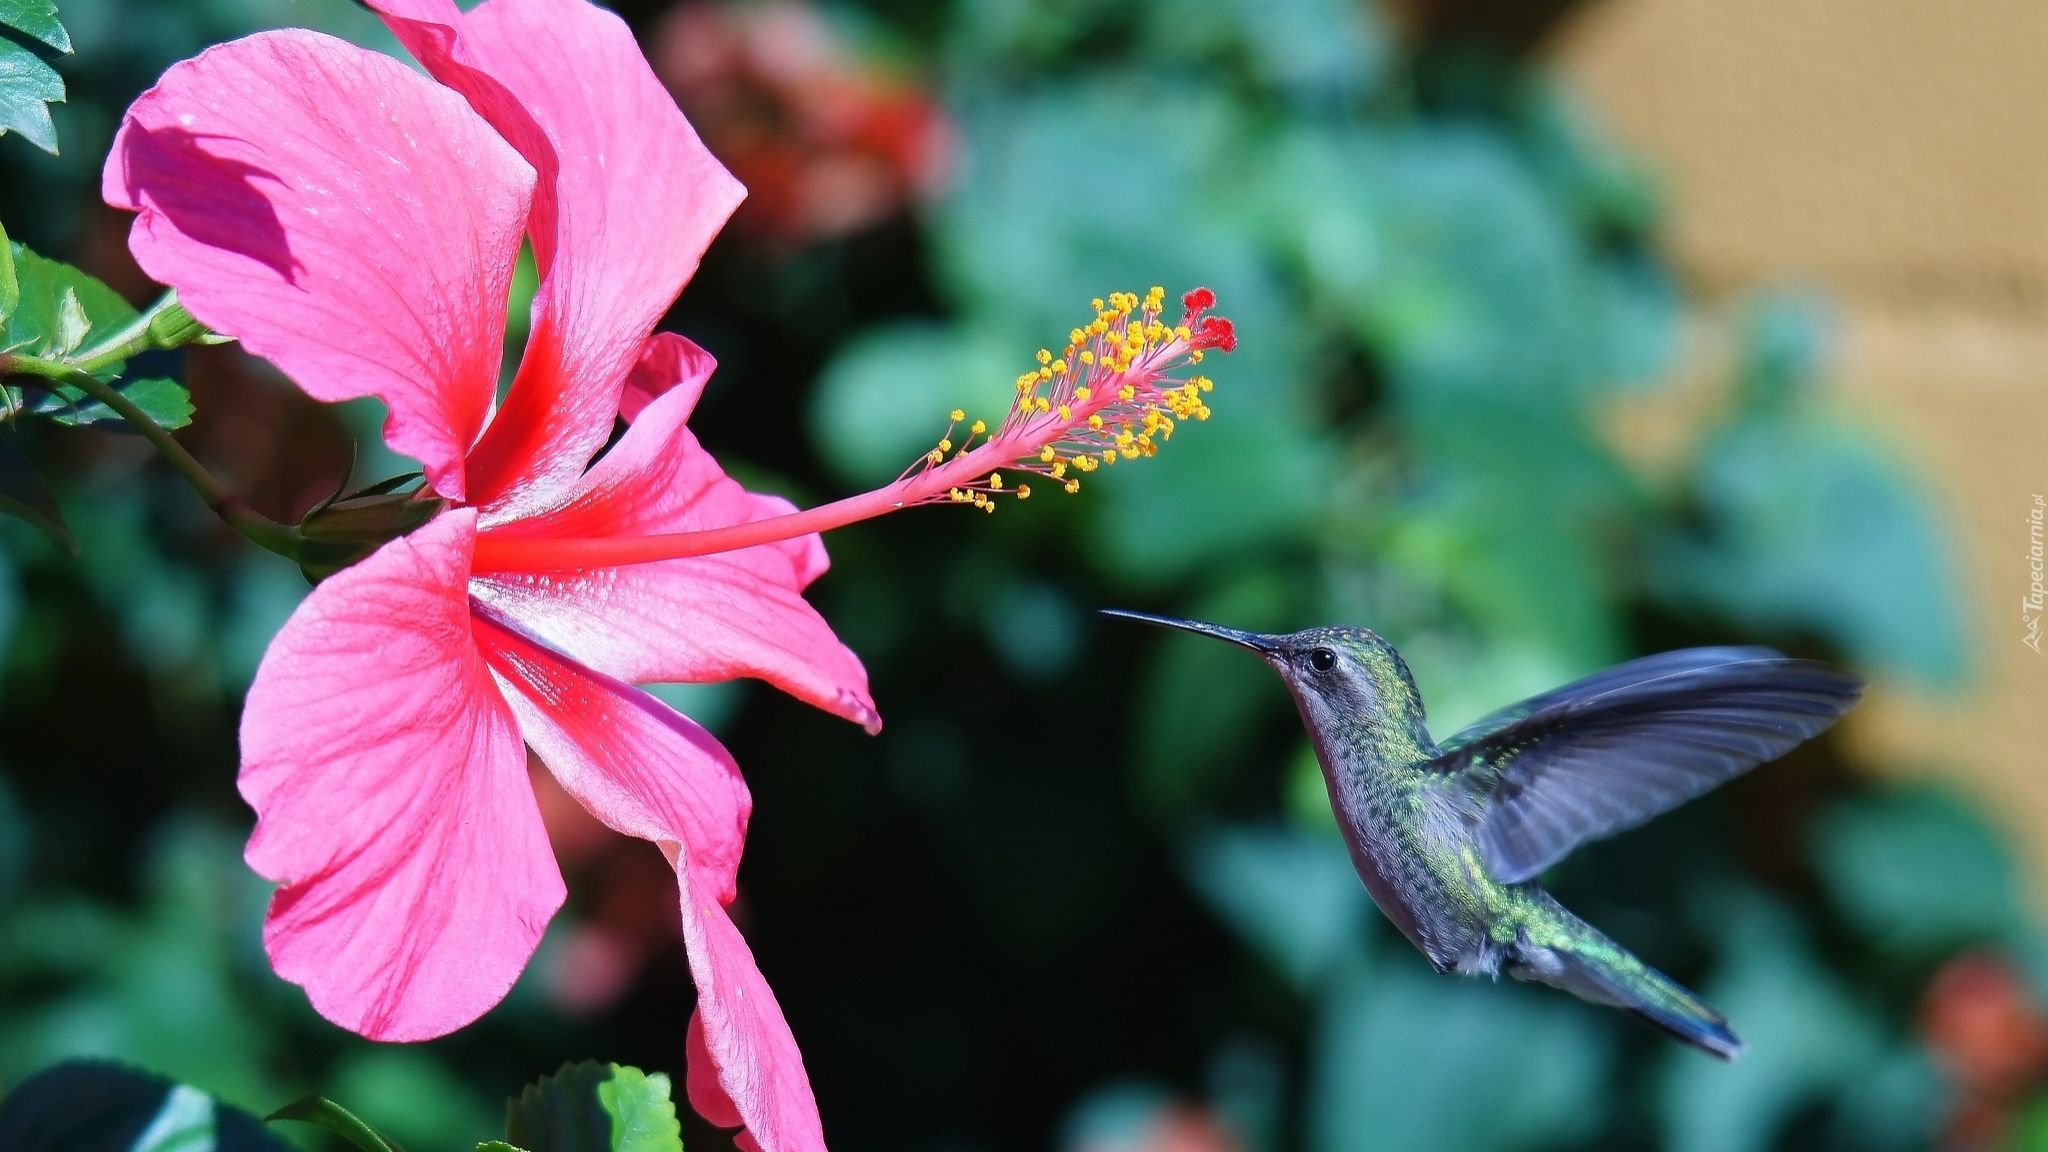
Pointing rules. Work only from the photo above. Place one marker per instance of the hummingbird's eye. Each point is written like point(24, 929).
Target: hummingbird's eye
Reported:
point(1322, 659)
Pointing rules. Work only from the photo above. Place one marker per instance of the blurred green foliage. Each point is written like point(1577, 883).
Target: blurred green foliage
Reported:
point(1086, 881)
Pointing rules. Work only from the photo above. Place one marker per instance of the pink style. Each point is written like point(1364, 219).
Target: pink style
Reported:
point(357, 223)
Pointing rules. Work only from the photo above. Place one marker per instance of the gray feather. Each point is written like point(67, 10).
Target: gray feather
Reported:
point(1609, 752)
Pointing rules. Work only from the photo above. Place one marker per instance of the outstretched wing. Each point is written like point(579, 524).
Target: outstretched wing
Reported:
point(1608, 752)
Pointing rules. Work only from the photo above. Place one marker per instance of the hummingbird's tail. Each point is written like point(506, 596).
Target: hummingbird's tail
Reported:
point(1592, 967)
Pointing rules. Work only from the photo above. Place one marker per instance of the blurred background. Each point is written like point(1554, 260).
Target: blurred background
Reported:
point(1569, 332)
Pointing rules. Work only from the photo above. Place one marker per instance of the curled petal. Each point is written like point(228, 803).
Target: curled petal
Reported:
point(345, 218)
point(634, 762)
point(392, 799)
point(701, 619)
point(668, 363)
point(628, 200)
point(744, 1067)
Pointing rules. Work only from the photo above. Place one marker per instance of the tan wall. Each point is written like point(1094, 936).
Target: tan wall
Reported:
point(1895, 153)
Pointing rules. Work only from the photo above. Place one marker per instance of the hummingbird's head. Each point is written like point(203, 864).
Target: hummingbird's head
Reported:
point(1340, 677)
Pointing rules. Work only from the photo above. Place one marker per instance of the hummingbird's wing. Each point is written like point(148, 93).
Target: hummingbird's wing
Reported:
point(1608, 752)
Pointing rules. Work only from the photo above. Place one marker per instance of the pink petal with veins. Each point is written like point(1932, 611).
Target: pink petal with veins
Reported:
point(694, 620)
point(392, 799)
point(648, 772)
point(344, 217)
point(640, 766)
point(628, 199)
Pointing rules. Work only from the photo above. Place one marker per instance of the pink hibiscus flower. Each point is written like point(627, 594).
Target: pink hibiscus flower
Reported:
point(357, 223)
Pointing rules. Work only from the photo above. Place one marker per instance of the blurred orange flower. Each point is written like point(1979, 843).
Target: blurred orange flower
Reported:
point(828, 140)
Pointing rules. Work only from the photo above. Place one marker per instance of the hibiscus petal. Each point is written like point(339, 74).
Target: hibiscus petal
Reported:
point(628, 200)
point(700, 619)
point(648, 772)
point(344, 217)
point(744, 1067)
point(668, 363)
point(635, 763)
point(392, 799)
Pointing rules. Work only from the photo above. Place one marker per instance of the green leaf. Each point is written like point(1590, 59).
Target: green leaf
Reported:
point(95, 1106)
point(1808, 525)
point(59, 303)
point(72, 323)
point(321, 1112)
point(37, 18)
point(498, 1146)
point(1917, 872)
point(1546, 1063)
point(61, 311)
point(166, 401)
point(23, 496)
point(10, 289)
point(591, 1107)
point(28, 86)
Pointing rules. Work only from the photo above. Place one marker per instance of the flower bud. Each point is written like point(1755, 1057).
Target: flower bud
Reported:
point(341, 531)
point(170, 326)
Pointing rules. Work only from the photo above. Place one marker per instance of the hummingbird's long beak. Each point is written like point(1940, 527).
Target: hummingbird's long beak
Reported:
point(1262, 644)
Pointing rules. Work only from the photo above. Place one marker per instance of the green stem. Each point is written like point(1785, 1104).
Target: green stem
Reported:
point(259, 529)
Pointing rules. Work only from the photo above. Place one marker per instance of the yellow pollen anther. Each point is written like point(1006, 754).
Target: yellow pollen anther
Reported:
point(1110, 394)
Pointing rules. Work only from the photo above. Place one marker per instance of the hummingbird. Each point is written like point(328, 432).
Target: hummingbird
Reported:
point(1450, 838)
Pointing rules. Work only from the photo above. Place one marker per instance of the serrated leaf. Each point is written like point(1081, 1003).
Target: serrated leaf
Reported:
point(499, 1146)
point(591, 1107)
point(28, 87)
point(95, 1106)
point(23, 496)
point(321, 1112)
point(62, 310)
point(36, 18)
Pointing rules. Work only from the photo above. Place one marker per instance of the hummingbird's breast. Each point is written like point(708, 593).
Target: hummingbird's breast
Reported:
point(1411, 846)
